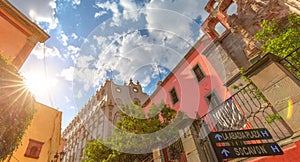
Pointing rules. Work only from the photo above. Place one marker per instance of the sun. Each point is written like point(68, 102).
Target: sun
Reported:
point(38, 84)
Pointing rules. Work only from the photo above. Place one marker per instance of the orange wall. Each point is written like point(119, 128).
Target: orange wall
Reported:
point(45, 127)
point(18, 35)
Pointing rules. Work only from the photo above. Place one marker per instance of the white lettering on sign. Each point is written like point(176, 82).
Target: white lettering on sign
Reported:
point(250, 150)
point(241, 135)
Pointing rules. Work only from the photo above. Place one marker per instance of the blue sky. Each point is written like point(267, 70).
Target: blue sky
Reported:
point(92, 41)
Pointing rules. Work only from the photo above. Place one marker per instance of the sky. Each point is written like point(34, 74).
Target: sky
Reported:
point(94, 40)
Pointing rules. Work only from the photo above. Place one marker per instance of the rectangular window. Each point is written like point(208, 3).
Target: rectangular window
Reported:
point(212, 100)
point(198, 73)
point(33, 149)
point(174, 96)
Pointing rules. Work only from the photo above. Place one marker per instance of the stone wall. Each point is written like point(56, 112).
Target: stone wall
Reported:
point(279, 87)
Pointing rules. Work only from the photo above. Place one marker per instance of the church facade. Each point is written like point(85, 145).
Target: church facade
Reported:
point(98, 116)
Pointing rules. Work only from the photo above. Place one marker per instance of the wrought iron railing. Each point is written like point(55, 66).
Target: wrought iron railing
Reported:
point(292, 62)
point(148, 158)
point(246, 109)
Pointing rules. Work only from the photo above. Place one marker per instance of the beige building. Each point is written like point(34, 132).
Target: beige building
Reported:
point(98, 116)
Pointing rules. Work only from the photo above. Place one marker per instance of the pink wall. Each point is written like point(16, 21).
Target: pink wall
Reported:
point(191, 94)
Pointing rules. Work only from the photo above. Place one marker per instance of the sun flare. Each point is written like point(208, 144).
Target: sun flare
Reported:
point(38, 84)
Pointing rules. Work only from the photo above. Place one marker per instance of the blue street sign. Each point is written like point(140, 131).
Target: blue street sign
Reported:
point(218, 137)
point(240, 135)
point(250, 150)
point(265, 133)
point(275, 148)
point(225, 153)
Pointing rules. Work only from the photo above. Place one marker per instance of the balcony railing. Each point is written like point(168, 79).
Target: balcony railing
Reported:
point(148, 158)
point(292, 62)
point(246, 109)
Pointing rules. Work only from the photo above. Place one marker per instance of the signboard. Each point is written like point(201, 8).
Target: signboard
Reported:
point(240, 135)
point(251, 150)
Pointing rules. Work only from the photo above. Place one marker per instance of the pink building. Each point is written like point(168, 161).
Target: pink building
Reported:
point(201, 85)
point(192, 85)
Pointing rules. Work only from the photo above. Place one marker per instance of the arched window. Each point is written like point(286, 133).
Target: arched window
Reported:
point(232, 9)
point(215, 5)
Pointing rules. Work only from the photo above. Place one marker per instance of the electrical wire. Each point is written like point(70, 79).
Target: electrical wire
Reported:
point(46, 74)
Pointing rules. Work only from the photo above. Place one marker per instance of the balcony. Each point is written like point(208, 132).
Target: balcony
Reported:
point(247, 109)
point(271, 100)
point(292, 63)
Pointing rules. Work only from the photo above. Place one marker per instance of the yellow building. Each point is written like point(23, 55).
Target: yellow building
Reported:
point(18, 37)
point(42, 138)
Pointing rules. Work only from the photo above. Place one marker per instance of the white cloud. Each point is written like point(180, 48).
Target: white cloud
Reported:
point(67, 73)
point(175, 17)
point(73, 49)
point(171, 32)
point(74, 36)
point(145, 81)
point(100, 13)
point(79, 94)
point(76, 2)
point(39, 11)
point(72, 107)
point(84, 61)
point(41, 50)
point(130, 9)
point(64, 38)
point(84, 75)
point(133, 53)
point(67, 99)
point(191, 8)
point(113, 7)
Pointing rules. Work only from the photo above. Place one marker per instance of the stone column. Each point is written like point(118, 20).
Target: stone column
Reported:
point(189, 145)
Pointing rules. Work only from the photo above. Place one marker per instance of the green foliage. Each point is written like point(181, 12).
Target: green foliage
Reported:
point(251, 90)
point(280, 36)
point(96, 151)
point(136, 121)
point(272, 117)
point(16, 108)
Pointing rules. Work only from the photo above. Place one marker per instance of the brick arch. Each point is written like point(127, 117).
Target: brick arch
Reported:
point(224, 5)
point(210, 6)
point(209, 25)
point(218, 15)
